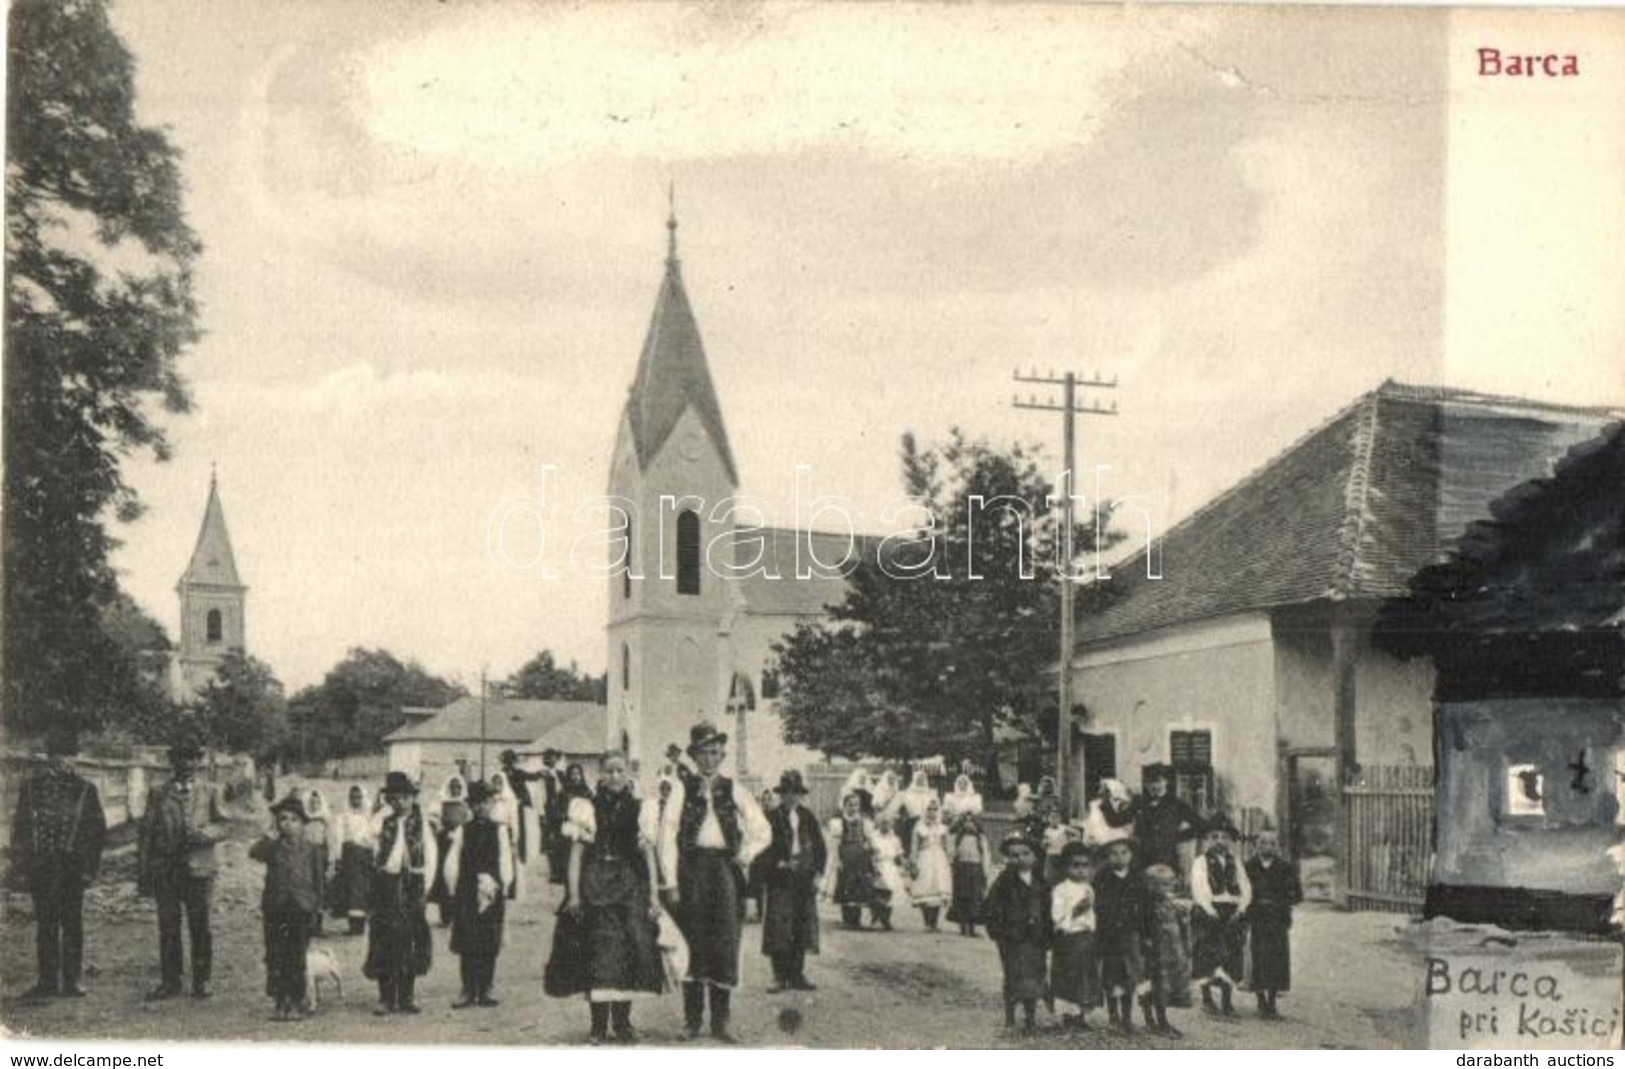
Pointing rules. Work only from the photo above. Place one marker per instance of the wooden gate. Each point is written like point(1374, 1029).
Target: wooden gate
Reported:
point(1389, 809)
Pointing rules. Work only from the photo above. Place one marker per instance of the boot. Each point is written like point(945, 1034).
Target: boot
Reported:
point(1113, 1014)
point(1163, 1026)
point(620, 1015)
point(600, 1023)
point(1227, 1000)
point(693, 1008)
point(720, 998)
point(1207, 997)
point(1147, 1013)
point(1126, 1012)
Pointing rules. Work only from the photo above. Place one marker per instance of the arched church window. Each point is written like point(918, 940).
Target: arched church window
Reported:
point(770, 680)
point(688, 552)
point(626, 742)
point(213, 632)
point(626, 667)
point(626, 576)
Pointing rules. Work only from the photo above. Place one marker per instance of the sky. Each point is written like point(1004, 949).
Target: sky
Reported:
point(434, 233)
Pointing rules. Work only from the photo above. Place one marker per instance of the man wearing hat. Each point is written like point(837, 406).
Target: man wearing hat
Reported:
point(57, 834)
point(398, 947)
point(720, 829)
point(1163, 821)
point(520, 779)
point(554, 844)
point(183, 821)
point(793, 863)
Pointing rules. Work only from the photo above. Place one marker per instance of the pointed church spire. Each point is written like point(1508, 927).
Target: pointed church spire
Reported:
point(672, 374)
point(213, 562)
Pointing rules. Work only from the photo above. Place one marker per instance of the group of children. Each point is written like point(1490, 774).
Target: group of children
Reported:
point(1117, 933)
point(392, 862)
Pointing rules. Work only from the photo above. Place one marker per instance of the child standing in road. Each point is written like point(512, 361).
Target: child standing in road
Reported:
point(1221, 893)
point(1167, 951)
point(1276, 889)
point(289, 904)
point(1074, 971)
point(971, 862)
point(1120, 919)
point(1017, 916)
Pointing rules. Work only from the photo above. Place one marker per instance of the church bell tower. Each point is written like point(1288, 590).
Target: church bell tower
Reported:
point(212, 603)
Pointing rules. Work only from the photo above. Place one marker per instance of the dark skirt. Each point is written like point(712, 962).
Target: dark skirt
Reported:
point(790, 914)
point(855, 883)
point(1075, 971)
point(1122, 965)
point(1272, 955)
point(1025, 970)
point(970, 887)
point(353, 880)
point(439, 893)
point(623, 957)
point(710, 910)
point(1220, 942)
point(398, 936)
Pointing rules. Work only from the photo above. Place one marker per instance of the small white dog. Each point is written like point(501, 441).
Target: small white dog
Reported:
point(321, 965)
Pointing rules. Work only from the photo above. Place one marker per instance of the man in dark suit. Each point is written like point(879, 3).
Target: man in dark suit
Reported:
point(57, 834)
point(184, 820)
point(792, 867)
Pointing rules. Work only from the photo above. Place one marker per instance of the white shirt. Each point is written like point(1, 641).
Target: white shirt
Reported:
point(1066, 897)
point(710, 835)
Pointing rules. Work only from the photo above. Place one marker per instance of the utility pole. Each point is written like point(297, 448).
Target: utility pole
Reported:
point(1070, 409)
point(482, 722)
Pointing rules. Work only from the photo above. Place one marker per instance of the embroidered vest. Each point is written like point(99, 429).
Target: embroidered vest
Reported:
point(1221, 872)
point(617, 818)
point(693, 815)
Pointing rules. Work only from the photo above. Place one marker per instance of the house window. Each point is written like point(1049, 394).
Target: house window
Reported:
point(626, 667)
point(688, 552)
point(1526, 791)
point(211, 626)
point(1191, 755)
point(1099, 761)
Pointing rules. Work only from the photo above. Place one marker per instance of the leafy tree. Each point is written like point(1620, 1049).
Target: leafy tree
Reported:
point(950, 633)
point(540, 678)
point(98, 309)
point(144, 710)
point(360, 701)
point(242, 709)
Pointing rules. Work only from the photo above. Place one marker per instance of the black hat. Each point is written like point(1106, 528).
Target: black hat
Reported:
point(291, 804)
point(399, 783)
point(1157, 771)
point(705, 734)
point(62, 742)
point(184, 753)
point(480, 791)
point(1221, 823)
point(551, 752)
point(792, 783)
point(1072, 851)
point(507, 757)
point(1017, 838)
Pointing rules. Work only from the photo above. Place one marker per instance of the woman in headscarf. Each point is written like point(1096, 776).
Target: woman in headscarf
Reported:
point(887, 787)
point(451, 812)
point(965, 801)
point(357, 838)
point(1111, 815)
point(911, 806)
point(659, 827)
point(861, 787)
point(575, 784)
point(933, 873)
point(505, 813)
point(318, 834)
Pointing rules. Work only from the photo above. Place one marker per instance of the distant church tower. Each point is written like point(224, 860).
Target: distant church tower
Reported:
point(212, 601)
point(671, 467)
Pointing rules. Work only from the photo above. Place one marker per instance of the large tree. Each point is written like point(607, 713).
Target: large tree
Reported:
point(98, 309)
point(542, 678)
point(950, 632)
point(242, 709)
point(359, 702)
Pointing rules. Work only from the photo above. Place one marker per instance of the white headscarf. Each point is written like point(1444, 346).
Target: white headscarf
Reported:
point(445, 790)
point(964, 801)
point(355, 824)
point(506, 807)
point(886, 789)
point(858, 781)
point(919, 795)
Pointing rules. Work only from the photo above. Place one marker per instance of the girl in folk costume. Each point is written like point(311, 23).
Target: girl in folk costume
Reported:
point(859, 784)
point(398, 946)
point(795, 862)
point(972, 858)
point(911, 805)
point(888, 789)
point(479, 863)
point(1017, 915)
point(933, 872)
point(1276, 889)
point(1111, 814)
point(965, 801)
point(851, 876)
point(890, 888)
point(451, 812)
point(1220, 893)
point(320, 834)
point(505, 812)
point(1167, 950)
point(356, 835)
point(1075, 972)
point(610, 891)
point(575, 785)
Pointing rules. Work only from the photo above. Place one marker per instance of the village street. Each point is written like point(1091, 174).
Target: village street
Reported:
point(1355, 986)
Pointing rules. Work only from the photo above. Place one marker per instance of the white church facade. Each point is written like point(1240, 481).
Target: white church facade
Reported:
point(703, 598)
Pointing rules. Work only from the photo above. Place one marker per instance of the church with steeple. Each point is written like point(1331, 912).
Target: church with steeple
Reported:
point(700, 599)
point(212, 598)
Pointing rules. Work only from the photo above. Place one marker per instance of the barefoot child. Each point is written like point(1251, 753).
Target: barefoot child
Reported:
point(292, 897)
point(1276, 889)
point(1167, 951)
point(1074, 971)
point(1017, 916)
point(1120, 922)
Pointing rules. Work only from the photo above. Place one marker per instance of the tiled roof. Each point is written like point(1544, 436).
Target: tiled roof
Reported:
point(672, 375)
point(213, 563)
point(1352, 510)
point(788, 595)
point(511, 721)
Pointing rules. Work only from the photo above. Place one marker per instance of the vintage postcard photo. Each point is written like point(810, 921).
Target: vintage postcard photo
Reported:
point(1018, 525)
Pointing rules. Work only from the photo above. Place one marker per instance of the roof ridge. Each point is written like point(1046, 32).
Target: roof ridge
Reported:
point(1351, 536)
point(1408, 391)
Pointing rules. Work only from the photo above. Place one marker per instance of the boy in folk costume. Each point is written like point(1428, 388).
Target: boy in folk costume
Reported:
point(1075, 972)
point(793, 864)
point(1120, 926)
point(1167, 951)
point(289, 906)
point(479, 864)
point(720, 830)
point(356, 835)
point(1276, 889)
point(1220, 893)
point(398, 947)
point(1017, 916)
